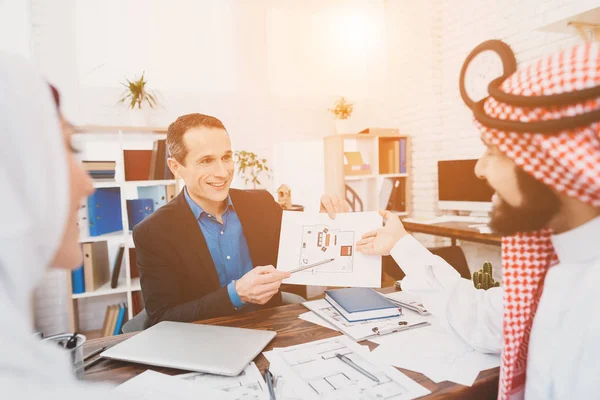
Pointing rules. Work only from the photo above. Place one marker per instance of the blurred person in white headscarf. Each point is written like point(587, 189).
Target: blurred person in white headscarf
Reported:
point(42, 184)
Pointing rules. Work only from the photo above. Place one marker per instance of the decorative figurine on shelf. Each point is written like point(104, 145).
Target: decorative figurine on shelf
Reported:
point(482, 279)
point(284, 197)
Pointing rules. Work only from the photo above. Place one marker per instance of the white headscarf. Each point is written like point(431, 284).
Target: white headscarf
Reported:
point(34, 201)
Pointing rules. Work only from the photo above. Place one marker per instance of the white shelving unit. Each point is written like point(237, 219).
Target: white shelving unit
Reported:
point(109, 143)
point(372, 148)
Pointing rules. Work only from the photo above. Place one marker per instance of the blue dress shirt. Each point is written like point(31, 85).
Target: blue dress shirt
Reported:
point(227, 245)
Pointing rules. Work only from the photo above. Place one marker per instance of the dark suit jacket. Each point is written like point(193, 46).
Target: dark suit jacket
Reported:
point(177, 274)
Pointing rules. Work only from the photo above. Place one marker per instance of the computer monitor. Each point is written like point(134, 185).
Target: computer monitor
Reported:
point(460, 189)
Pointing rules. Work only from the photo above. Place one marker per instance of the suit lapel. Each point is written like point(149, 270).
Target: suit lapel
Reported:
point(194, 240)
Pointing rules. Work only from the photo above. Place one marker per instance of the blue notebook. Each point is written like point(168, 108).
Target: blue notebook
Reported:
point(361, 304)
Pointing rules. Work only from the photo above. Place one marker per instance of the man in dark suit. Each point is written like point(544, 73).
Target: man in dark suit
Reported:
point(210, 252)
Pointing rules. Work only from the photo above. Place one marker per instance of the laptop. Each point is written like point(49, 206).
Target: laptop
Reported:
point(212, 349)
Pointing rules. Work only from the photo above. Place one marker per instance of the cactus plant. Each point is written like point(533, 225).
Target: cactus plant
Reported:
point(483, 279)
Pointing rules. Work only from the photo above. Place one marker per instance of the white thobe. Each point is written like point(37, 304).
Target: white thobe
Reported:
point(563, 360)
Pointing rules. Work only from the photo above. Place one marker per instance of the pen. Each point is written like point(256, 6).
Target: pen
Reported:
point(311, 265)
point(356, 367)
point(403, 327)
point(93, 353)
point(269, 379)
point(92, 363)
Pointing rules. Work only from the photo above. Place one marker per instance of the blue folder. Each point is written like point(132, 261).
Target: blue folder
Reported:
point(138, 209)
point(104, 211)
point(77, 280)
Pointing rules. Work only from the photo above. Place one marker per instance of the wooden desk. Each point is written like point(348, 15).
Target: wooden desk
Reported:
point(454, 230)
point(291, 330)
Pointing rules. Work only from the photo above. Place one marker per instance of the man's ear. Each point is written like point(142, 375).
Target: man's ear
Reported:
point(174, 167)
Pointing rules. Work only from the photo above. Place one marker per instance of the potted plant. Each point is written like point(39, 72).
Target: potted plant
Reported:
point(342, 111)
point(134, 97)
point(250, 167)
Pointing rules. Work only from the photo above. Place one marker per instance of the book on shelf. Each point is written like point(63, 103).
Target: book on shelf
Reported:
point(137, 302)
point(159, 168)
point(100, 170)
point(95, 265)
point(114, 281)
point(104, 211)
point(403, 156)
point(120, 319)
point(133, 267)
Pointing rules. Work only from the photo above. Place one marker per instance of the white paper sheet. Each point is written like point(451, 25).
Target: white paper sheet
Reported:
point(434, 352)
point(363, 329)
point(315, 319)
point(311, 371)
point(249, 385)
point(152, 385)
point(311, 238)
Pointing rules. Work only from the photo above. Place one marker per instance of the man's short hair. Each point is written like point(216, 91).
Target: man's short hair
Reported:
point(177, 129)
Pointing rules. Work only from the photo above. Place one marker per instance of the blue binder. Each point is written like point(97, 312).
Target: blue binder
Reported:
point(402, 155)
point(138, 209)
point(77, 280)
point(104, 211)
point(157, 193)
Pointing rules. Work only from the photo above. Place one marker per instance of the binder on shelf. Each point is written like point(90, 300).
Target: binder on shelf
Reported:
point(119, 322)
point(134, 271)
point(95, 265)
point(114, 282)
point(137, 164)
point(106, 322)
point(77, 280)
point(137, 210)
point(157, 193)
point(393, 194)
point(104, 211)
point(402, 155)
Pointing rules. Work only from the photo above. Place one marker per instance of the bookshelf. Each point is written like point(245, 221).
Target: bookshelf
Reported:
point(110, 143)
point(382, 154)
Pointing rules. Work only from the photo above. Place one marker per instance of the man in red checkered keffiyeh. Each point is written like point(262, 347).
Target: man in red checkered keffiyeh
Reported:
point(541, 127)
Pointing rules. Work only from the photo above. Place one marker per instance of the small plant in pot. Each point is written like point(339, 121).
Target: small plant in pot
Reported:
point(342, 111)
point(135, 95)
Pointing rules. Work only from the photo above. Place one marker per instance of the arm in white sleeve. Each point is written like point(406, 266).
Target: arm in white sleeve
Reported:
point(474, 315)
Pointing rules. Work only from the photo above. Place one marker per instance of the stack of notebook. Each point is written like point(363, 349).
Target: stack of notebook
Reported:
point(361, 304)
point(100, 170)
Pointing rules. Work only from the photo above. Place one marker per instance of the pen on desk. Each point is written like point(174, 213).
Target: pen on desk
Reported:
point(92, 363)
point(356, 367)
point(269, 379)
point(93, 353)
point(403, 327)
point(312, 265)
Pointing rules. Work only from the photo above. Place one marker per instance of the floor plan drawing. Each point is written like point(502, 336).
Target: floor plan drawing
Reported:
point(320, 242)
point(320, 374)
point(321, 251)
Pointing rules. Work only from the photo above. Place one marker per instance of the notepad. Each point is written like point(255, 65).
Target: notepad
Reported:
point(361, 304)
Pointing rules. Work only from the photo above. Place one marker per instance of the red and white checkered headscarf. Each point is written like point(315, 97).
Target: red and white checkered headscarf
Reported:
point(568, 162)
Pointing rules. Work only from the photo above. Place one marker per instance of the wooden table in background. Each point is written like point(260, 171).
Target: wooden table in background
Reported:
point(454, 231)
point(291, 330)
